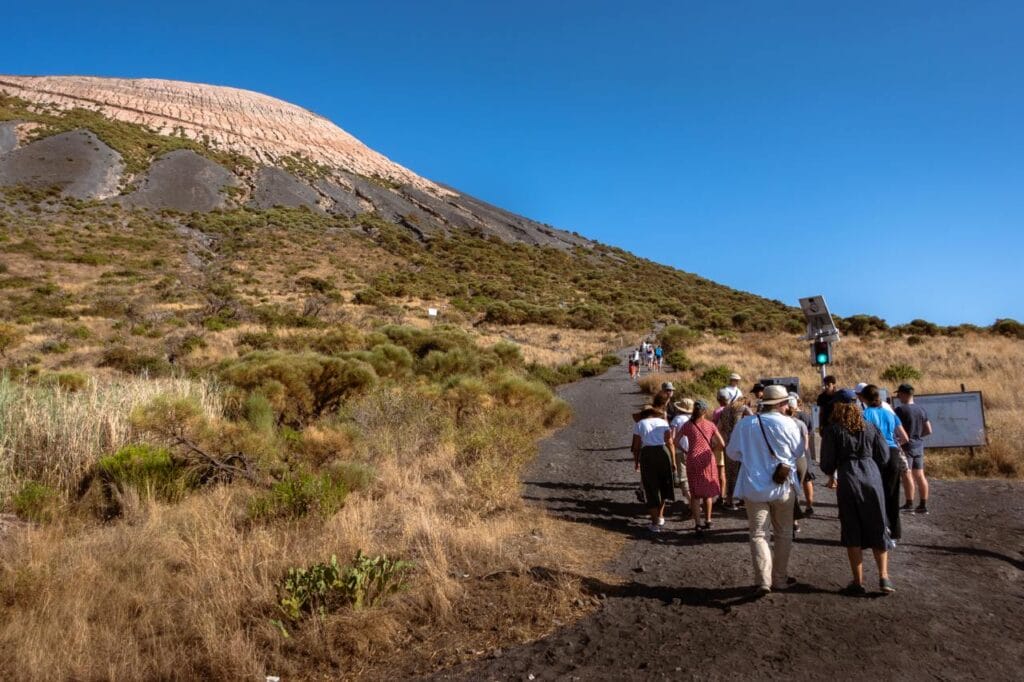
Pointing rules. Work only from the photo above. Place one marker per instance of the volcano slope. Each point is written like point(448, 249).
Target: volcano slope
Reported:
point(682, 607)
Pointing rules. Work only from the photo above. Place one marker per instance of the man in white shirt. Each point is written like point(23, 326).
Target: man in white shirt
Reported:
point(732, 392)
point(761, 443)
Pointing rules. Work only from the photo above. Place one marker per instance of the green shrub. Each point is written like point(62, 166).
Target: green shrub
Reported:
point(10, 338)
point(1008, 327)
point(679, 360)
point(66, 381)
point(322, 587)
point(675, 337)
point(369, 297)
point(35, 502)
point(300, 386)
point(132, 361)
point(298, 495)
point(914, 340)
point(148, 468)
point(901, 372)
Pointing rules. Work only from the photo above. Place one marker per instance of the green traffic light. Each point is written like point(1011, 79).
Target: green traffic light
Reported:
point(822, 358)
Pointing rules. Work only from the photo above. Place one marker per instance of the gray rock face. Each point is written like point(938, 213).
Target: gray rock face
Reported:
point(346, 202)
point(395, 208)
point(78, 162)
point(183, 181)
point(276, 187)
point(8, 136)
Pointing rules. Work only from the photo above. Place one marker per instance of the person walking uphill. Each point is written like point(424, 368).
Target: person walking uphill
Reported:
point(702, 464)
point(767, 445)
point(857, 451)
point(654, 456)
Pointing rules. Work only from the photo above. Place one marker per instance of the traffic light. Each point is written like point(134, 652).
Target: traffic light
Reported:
point(821, 353)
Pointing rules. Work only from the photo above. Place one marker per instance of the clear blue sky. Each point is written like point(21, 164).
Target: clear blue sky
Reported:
point(871, 152)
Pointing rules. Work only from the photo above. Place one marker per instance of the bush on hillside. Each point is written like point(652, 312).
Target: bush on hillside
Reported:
point(300, 386)
point(133, 361)
point(861, 325)
point(901, 372)
point(1008, 327)
point(675, 337)
point(150, 469)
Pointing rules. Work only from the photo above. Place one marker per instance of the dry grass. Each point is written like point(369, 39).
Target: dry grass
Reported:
point(52, 435)
point(552, 346)
point(189, 590)
point(988, 363)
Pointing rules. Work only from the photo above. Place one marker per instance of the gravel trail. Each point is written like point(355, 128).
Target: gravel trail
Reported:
point(684, 609)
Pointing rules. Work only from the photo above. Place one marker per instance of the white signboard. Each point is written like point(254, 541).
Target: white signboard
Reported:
point(432, 312)
point(958, 419)
point(819, 319)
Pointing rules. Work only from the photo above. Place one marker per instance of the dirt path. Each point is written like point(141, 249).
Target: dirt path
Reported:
point(683, 609)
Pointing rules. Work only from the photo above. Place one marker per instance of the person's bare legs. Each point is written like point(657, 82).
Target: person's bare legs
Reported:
point(922, 485)
point(707, 510)
point(695, 510)
point(856, 557)
point(882, 561)
point(908, 486)
point(722, 486)
point(809, 492)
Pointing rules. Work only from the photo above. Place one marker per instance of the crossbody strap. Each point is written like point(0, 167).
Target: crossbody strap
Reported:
point(697, 429)
point(766, 441)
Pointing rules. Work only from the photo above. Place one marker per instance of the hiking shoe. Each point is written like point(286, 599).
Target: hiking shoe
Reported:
point(654, 528)
point(921, 509)
point(789, 582)
point(809, 511)
point(762, 591)
point(853, 590)
point(908, 507)
point(661, 520)
point(885, 585)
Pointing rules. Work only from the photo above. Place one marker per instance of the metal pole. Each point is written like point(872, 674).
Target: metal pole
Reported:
point(970, 450)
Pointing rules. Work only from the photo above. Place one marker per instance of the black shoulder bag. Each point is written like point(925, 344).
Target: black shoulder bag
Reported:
point(782, 470)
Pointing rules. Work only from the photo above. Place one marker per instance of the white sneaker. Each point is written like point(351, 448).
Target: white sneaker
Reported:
point(661, 520)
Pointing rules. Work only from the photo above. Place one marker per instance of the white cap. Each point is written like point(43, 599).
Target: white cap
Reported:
point(860, 387)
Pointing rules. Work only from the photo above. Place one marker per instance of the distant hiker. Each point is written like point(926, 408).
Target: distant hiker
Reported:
point(895, 436)
point(803, 464)
point(650, 356)
point(728, 417)
point(701, 466)
point(732, 391)
point(684, 408)
point(634, 368)
point(659, 353)
point(667, 393)
point(654, 457)
point(856, 450)
point(723, 401)
point(768, 446)
point(829, 387)
point(915, 422)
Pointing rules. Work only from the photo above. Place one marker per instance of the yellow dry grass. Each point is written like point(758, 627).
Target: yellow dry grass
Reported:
point(190, 590)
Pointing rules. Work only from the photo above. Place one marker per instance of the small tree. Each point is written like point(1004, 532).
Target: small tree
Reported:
point(10, 338)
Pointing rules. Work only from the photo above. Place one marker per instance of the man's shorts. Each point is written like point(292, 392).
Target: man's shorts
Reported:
point(915, 458)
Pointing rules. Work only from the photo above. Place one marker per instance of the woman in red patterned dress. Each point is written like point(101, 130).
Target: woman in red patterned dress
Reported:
point(701, 464)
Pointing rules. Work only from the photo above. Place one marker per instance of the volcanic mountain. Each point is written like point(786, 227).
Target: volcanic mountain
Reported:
point(247, 149)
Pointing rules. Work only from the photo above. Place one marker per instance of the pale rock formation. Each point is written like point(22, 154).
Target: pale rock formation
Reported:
point(255, 125)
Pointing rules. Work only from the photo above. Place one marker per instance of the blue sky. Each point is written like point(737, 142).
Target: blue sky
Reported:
point(870, 152)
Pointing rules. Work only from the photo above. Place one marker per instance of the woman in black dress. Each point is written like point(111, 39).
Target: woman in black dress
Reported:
point(855, 452)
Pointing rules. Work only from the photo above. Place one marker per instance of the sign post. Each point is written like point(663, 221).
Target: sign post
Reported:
point(821, 332)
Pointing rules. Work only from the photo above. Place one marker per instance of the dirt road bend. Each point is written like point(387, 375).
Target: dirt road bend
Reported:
point(682, 608)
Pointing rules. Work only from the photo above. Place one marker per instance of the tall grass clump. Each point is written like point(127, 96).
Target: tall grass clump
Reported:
point(52, 435)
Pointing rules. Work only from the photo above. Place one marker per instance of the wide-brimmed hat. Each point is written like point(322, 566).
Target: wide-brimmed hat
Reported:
point(773, 395)
point(685, 406)
point(735, 377)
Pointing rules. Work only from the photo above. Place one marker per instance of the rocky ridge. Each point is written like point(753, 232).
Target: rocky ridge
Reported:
point(343, 176)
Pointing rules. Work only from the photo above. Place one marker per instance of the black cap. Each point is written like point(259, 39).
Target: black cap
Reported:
point(757, 388)
point(905, 388)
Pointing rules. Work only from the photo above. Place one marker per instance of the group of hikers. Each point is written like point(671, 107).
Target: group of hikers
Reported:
point(646, 355)
point(755, 453)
